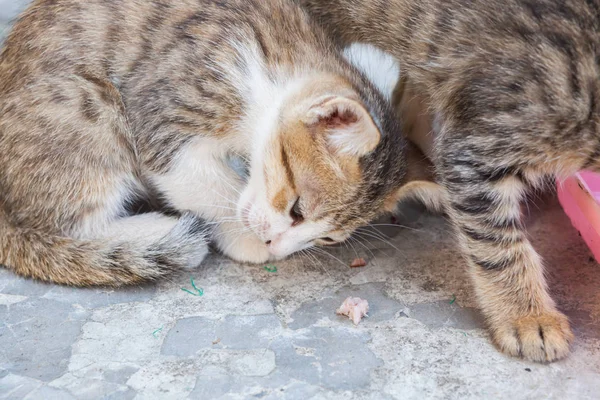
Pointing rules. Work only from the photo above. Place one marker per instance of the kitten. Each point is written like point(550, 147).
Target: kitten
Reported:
point(105, 103)
point(513, 93)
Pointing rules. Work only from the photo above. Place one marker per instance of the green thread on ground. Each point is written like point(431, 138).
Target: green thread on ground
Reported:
point(270, 268)
point(156, 331)
point(199, 291)
point(453, 299)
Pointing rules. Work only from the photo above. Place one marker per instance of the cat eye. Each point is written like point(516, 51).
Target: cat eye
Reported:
point(327, 240)
point(296, 213)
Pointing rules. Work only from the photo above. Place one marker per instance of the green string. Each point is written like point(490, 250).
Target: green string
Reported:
point(453, 299)
point(156, 331)
point(270, 268)
point(199, 291)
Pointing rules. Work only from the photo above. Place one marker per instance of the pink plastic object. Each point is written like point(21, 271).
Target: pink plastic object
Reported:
point(579, 196)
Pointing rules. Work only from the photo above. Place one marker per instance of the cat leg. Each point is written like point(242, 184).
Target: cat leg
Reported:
point(200, 180)
point(506, 271)
point(411, 104)
point(420, 175)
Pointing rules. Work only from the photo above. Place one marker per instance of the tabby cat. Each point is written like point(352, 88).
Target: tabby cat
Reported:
point(105, 103)
point(513, 93)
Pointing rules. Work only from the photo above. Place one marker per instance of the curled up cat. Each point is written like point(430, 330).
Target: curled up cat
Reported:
point(105, 103)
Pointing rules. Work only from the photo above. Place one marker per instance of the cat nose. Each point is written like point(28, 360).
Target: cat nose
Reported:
point(268, 242)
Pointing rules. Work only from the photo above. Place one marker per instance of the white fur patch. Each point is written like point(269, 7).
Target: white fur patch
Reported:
point(511, 191)
point(380, 67)
point(143, 228)
point(201, 181)
point(265, 97)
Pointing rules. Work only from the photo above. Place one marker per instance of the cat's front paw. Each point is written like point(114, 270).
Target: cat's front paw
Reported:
point(246, 248)
point(542, 338)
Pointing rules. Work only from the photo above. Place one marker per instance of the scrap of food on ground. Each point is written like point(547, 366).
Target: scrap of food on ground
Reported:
point(355, 308)
point(358, 262)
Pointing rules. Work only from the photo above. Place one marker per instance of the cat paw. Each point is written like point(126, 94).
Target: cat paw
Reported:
point(246, 248)
point(542, 338)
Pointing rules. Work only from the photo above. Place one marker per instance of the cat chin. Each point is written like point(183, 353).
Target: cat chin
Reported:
point(280, 251)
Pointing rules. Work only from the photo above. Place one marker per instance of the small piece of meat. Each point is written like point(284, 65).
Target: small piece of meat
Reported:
point(355, 308)
point(358, 262)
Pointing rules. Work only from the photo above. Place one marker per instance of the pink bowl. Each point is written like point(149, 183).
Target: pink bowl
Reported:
point(579, 196)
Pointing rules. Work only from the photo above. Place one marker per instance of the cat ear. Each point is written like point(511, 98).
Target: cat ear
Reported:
point(346, 123)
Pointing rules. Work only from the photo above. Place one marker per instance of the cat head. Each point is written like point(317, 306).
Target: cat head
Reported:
point(329, 159)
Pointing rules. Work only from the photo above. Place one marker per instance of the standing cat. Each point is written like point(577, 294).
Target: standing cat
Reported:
point(103, 103)
point(513, 90)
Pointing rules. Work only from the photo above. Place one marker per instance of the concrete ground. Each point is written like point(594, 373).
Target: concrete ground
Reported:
point(258, 333)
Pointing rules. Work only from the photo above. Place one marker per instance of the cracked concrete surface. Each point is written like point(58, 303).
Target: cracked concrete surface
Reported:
point(257, 334)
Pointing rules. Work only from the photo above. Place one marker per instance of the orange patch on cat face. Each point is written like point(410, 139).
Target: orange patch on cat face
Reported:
point(281, 200)
point(307, 168)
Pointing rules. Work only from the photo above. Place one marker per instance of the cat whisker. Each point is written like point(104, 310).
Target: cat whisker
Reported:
point(311, 257)
point(373, 232)
point(323, 268)
point(364, 245)
point(396, 226)
point(224, 197)
point(323, 251)
point(380, 238)
point(348, 244)
point(231, 232)
point(217, 206)
point(231, 186)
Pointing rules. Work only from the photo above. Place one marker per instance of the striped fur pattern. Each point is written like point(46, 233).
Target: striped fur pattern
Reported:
point(106, 103)
point(512, 92)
